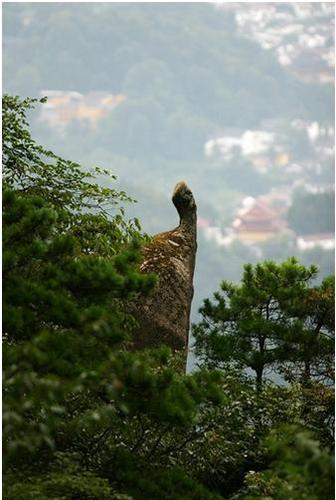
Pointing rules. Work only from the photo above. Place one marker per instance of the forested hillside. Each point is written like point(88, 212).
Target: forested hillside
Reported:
point(185, 75)
point(166, 58)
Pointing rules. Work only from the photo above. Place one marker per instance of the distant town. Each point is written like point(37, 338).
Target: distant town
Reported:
point(63, 107)
point(300, 37)
point(261, 219)
point(258, 219)
point(304, 47)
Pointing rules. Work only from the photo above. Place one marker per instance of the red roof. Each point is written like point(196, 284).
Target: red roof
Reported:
point(260, 218)
point(258, 211)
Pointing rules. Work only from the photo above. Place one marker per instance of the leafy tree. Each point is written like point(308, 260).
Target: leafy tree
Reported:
point(85, 415)
point(312, 358)
point(271, 320)
point(44, 45)
point(227, 442)
point(227, 439)
point(31, 169)
point(300, 469)
point(72, 392)
point(61, 286)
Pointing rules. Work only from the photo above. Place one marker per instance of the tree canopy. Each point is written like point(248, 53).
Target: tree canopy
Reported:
point(272, 320)
point(67, 377)
point(87, 416)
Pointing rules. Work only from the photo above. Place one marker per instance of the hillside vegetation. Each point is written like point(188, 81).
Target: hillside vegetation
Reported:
point(188, 75)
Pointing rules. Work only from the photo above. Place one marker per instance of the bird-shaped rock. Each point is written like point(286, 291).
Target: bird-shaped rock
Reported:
point(163, 316)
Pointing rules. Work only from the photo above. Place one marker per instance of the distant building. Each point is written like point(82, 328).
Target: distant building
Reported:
point(300, 34)
point(250, 143)
point(257, 221)
point(63, 106)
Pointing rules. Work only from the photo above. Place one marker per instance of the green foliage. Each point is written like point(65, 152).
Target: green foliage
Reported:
point(272, 320)
point(88, 417)
point(73, 394)
point(313, 355)
point(204, 69)
point(171, 484)
point(205, 72)
point(188, 77)
point(62, 486)
point(85, 206)
point(60, 300)
point(226, 443)
point(275, 319)
point(300, 469)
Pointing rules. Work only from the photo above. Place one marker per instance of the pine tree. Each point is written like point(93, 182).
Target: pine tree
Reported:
point(74, 396)
point(85, 416)
point(274, 320)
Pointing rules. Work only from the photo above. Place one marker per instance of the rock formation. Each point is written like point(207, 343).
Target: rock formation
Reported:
point(164, 315)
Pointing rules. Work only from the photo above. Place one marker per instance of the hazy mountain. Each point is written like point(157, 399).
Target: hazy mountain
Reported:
point(236, 99)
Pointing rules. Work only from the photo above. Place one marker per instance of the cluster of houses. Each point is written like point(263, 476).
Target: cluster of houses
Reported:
point(261, 219)
point(261, 147)
point(63, 107)
point(269, 146)
point(306, 48)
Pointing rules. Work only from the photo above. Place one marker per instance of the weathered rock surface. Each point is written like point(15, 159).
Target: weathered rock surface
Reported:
point(164, 315)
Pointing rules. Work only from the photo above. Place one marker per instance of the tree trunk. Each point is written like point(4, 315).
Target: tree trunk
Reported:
point(259, 379)
point(306, 374)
